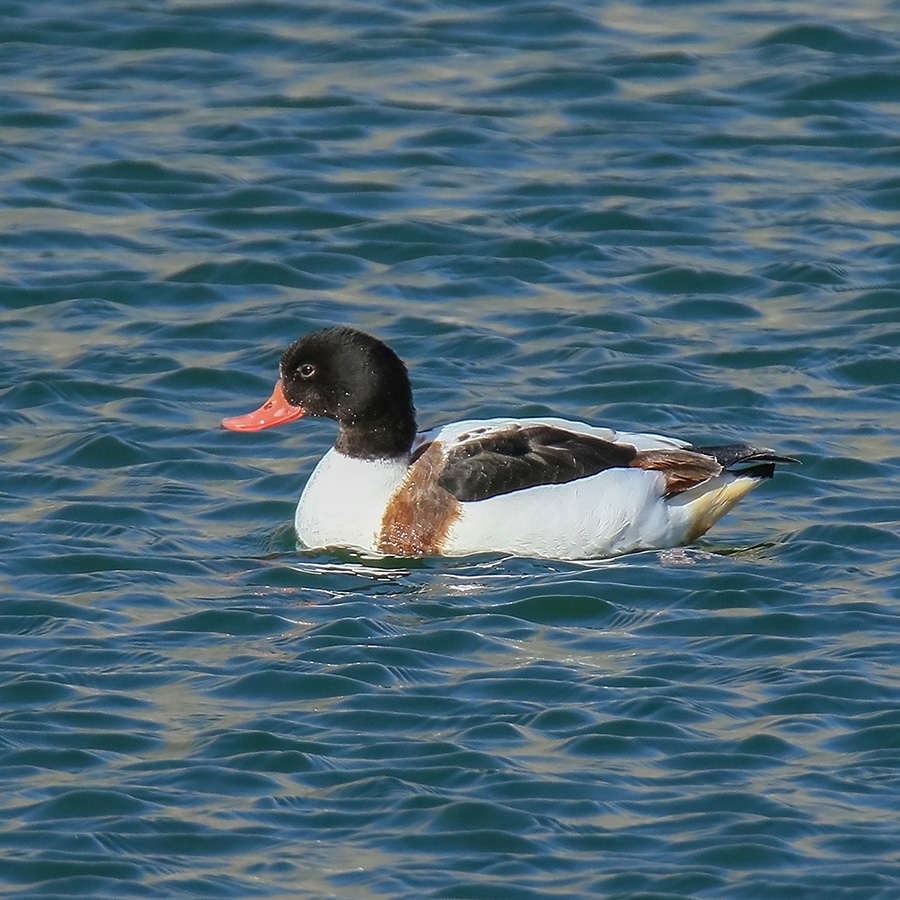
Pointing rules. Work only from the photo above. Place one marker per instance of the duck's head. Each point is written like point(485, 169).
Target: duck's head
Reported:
point(349, 376)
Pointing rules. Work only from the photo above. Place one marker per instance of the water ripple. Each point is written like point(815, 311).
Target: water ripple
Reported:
point(679, 218)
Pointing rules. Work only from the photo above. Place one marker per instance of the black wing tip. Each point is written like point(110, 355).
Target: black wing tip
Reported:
point(760, 470)
point(728, 455)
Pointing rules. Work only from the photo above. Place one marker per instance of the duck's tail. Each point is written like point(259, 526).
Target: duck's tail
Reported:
point(743, 468)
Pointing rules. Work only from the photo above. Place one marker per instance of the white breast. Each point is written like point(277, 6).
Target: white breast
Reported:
point(344, 500)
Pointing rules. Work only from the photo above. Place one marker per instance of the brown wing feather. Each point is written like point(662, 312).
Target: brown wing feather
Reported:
point(687, 468)
point(525, 456)
point(683, 469)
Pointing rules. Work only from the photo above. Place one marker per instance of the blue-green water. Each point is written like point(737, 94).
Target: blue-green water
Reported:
point(661, 215)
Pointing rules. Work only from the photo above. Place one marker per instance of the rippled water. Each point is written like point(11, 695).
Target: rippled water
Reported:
point(671, 216)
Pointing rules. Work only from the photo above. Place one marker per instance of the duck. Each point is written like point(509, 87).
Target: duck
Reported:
point(531, 487)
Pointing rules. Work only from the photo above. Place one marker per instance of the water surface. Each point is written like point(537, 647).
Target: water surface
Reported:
point(668, 216)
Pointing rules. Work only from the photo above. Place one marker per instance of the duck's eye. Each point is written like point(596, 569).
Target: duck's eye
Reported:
point(307, 370)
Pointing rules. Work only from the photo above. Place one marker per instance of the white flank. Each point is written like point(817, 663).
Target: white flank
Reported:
point(615, 511)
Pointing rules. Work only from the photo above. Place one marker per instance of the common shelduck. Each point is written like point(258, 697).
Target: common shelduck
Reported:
point(540, 487)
